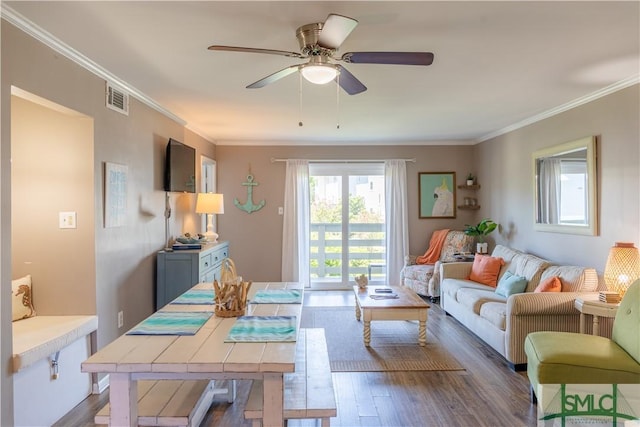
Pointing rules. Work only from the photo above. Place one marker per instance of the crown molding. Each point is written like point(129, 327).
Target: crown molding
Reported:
point(622, 84)
point(48, 39)
point(341, 143)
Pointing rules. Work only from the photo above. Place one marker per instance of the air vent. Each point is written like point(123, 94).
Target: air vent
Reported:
point(117, 99)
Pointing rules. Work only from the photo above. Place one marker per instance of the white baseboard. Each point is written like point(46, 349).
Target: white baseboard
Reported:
point(101, 385)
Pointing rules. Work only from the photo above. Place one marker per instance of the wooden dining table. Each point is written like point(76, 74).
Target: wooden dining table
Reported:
point(205, 355)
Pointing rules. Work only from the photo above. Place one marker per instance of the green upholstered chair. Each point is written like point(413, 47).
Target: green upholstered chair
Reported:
point(571, 358)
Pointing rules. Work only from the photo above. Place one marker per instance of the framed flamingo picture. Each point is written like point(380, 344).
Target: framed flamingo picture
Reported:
point(437, 194)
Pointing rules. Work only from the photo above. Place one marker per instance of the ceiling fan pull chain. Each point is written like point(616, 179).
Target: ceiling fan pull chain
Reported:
point(300, 98)
point(338, 101)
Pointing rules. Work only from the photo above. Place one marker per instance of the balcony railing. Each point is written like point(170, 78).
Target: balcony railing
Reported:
point(365, 246)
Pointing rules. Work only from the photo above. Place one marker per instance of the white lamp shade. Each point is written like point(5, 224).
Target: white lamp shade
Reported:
point(623, 267)
point(319, 74)
point(210, 203)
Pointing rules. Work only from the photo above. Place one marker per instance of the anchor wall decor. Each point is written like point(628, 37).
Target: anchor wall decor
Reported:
point(248, 206)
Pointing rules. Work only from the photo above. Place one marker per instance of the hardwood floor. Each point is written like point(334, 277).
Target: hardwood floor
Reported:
point(487, 393)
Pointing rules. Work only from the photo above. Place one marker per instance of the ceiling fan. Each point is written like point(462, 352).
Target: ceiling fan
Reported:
point(319, 42)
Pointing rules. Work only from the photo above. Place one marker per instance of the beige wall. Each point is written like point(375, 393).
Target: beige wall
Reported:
point(52, 172)
point(125, 256)
point(256, 238)
point(507, 194)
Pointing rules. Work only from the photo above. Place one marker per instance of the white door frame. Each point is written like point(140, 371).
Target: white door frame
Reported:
point(208, 184)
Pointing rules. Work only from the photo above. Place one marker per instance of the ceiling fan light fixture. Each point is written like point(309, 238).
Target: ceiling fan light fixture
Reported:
point(319, 74)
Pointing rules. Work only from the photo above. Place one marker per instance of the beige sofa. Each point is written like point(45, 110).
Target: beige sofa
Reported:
point(504, 323)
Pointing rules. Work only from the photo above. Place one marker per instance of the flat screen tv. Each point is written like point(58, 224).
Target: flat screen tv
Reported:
point(180, 167)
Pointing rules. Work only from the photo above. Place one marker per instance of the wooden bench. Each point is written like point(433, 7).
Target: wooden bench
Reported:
point(172, 402)
point(308, 391)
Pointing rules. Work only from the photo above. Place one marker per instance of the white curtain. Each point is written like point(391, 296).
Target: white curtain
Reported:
point(550, 174)
point(295, 229)
point(396, 218)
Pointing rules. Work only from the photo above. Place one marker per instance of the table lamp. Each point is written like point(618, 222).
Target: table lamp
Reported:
point(210, 203)
point(622, 268)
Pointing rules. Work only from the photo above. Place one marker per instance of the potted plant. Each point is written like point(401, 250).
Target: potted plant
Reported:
point(471, 179)
point(482, 229)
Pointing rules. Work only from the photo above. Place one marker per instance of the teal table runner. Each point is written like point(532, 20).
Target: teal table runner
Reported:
point(263, 329)
point(278, 296)
point(171, 323)
point(195, 296)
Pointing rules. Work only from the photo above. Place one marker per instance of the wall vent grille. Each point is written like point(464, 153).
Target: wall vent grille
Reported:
point(117, 99)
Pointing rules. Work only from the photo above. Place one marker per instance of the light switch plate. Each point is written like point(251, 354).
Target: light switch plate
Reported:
point(67, 220)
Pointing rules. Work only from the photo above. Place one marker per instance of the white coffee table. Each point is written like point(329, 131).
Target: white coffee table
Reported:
point(408, 306)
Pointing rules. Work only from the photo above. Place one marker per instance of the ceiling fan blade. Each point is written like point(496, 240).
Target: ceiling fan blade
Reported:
point(398, 58)
point(348, 82)
point(274, 77)
point(335, 30)
point(255, 50)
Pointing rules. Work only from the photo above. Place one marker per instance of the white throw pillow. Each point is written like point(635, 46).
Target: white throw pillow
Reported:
point(21, 301)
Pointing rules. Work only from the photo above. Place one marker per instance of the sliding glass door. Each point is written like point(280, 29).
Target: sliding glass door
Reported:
point(347, 223)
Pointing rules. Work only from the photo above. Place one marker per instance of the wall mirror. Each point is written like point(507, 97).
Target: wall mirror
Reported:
point(565, 184)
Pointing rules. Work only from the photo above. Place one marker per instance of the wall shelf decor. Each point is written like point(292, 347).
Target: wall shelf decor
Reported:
point(470, 203)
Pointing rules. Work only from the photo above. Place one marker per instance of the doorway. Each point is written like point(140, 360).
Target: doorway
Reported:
point(347, 224)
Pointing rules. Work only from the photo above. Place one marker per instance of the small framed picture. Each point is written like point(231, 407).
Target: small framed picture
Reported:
point(437, 194)
point(115, 194)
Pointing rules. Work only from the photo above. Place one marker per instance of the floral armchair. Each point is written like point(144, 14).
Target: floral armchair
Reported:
point(425, 278)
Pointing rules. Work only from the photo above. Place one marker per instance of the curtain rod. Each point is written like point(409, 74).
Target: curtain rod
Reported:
point(274, 160)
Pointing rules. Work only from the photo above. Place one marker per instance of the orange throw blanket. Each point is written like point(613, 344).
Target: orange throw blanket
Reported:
point(435, 246)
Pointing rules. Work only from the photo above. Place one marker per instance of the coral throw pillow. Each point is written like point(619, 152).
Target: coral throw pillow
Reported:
point(550, 284)
point(485, 269)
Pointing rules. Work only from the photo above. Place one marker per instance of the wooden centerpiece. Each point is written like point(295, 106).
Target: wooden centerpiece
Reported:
point(231, 298)
point(231, 293)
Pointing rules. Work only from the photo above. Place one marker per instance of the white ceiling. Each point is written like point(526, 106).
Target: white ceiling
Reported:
point(498, 65)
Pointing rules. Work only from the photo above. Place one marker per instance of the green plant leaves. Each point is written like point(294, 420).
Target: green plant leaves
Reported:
point(483, 228)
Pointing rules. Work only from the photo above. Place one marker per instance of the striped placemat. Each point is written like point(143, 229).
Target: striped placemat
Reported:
point(278, 296)
point(171, 323)
point(263, 329)
point(195, 296)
